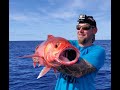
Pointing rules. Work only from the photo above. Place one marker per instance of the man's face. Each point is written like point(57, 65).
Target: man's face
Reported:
point(85, 33)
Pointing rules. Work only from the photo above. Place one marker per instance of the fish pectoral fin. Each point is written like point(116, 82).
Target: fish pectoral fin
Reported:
point(41, 61)
point(34, 64)
point(43, 72)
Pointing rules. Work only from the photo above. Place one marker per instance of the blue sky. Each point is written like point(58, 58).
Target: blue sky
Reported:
point(35, 19)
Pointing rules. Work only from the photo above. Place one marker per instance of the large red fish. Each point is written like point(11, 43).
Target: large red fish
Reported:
point(54, 52)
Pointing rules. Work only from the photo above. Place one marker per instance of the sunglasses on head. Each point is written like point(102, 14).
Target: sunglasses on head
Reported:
point(84, 27)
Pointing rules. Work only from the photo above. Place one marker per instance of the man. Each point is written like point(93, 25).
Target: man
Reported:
point(81, 75)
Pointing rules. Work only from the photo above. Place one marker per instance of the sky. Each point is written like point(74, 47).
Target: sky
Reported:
point(35, 19)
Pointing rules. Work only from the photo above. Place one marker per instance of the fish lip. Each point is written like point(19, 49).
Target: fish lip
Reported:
point(68, 48)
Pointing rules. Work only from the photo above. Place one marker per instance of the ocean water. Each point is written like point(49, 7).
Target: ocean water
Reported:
point(22, 75)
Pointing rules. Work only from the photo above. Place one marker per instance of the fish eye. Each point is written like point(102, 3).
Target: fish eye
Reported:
point(56, 46)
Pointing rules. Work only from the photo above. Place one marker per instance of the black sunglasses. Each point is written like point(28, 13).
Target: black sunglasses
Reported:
point(84, 27)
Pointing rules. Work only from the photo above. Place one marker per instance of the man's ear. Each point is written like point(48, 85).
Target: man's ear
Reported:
point(95, 30)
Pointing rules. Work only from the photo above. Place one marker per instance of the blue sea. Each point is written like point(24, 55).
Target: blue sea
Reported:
point(22, 75)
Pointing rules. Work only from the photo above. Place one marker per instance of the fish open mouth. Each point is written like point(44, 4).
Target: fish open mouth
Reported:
point(68, 55)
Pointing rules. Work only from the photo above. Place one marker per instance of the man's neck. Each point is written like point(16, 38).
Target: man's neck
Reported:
point(85, 45)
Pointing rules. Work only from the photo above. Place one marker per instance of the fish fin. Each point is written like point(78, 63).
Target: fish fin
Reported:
point(55, 72)
point(43, 72)
point(50, 36)
point(41, 61)
point(36, 60)
point(37, 47)
point(39, 65)
point(28, 56)
point(34, 64)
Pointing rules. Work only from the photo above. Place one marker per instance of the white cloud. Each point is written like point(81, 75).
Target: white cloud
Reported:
point(69, 9)
point(18, 17)
point(63, 15)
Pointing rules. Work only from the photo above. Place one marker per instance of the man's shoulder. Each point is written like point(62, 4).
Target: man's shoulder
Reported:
point(98, 49)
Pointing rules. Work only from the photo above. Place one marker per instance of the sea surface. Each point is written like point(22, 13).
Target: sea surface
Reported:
point(22, 75)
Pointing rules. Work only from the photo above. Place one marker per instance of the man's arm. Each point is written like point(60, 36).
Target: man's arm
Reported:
point(78, 69)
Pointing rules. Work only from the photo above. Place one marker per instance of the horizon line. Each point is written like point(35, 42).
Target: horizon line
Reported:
point(44, 40)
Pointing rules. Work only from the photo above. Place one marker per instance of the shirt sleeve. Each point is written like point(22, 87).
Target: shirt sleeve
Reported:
point(96, 57)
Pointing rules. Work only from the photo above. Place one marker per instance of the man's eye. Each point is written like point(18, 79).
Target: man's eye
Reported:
point(86, 28)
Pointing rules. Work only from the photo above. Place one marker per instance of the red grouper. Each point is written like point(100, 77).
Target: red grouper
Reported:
point(54, 52)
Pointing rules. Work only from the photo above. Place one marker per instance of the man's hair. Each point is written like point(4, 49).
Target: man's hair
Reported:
point(87, 19)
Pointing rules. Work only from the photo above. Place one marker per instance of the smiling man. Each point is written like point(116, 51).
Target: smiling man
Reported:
point(81, 75)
